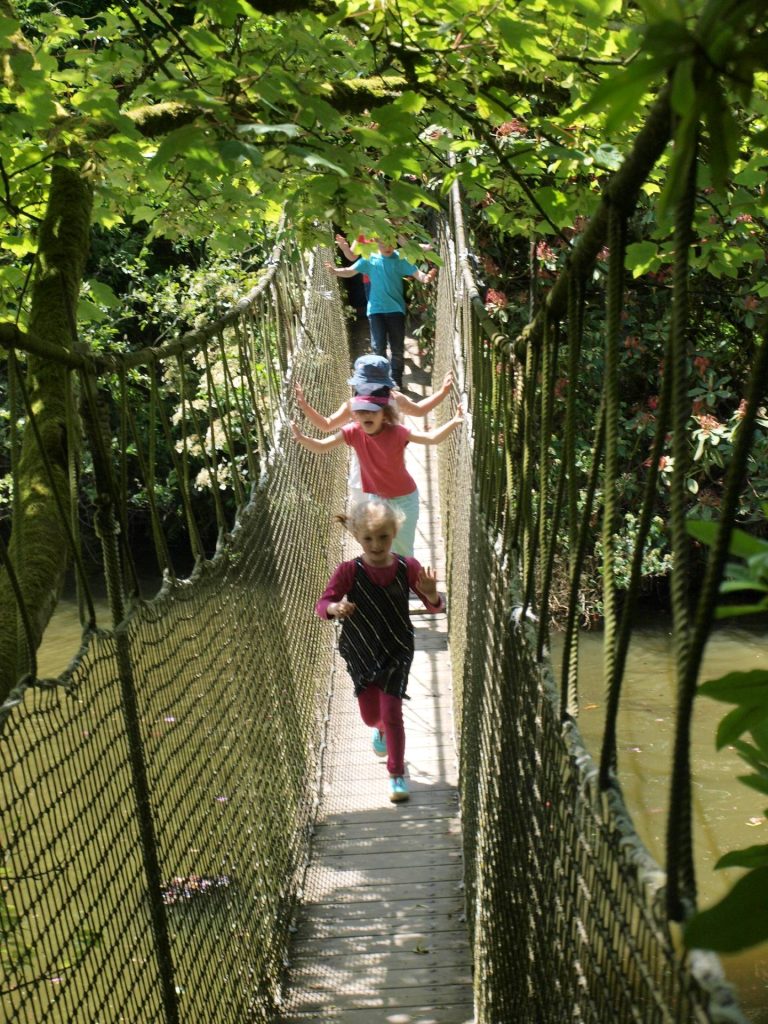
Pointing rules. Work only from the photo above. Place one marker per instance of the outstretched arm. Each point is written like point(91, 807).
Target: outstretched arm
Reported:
point(342, 271)
point(409, 408)
point(346, 249)
point(427, 278)
point(316, 444)
point(327, 423)
point(438, 434)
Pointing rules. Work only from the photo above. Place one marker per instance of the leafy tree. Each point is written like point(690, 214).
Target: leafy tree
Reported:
point(206, 120)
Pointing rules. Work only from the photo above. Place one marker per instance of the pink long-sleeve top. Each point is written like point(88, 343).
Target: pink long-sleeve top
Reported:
point(343, 576)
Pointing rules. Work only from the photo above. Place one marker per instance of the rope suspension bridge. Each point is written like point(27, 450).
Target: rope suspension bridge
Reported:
point(159, 797)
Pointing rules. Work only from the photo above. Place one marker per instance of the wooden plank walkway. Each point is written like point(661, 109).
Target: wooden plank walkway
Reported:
point(381, 934)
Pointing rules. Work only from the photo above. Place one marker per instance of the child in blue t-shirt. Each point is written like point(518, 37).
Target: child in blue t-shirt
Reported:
point(386, 300)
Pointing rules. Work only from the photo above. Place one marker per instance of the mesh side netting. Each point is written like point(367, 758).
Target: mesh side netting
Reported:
point(229, 669)
point(564, 905)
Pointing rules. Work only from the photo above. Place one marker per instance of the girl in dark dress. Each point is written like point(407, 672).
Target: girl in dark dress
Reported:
point(369, 594)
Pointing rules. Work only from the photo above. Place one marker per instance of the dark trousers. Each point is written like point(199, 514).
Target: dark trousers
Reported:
point(389, 328)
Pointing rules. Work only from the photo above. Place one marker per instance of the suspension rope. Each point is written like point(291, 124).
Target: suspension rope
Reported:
point(681, 885)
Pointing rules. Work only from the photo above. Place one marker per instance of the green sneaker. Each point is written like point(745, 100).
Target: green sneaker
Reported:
point(398, 789)
point(379, 743)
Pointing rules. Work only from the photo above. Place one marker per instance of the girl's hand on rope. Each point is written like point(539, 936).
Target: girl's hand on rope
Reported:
point(426, 584)
point(295, 430)
point(447, 384)
point(341, 609)
point(301, 401)
point(458, 416)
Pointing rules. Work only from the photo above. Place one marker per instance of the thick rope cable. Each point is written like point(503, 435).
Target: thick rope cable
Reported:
point(575, 339)
point(608, 752)
point(549, 524)
point(614, 305)
point(681, 882)
point(569, 694)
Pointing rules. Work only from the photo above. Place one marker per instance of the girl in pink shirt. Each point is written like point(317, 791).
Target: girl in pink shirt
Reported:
point(369, 595)
point(379, 441)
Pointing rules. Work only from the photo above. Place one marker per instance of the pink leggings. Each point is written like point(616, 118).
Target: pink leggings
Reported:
point(384, 712)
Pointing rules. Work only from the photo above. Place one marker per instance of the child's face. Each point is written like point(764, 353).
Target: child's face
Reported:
point(371, 422)
point(385, 248)
point(375, 538)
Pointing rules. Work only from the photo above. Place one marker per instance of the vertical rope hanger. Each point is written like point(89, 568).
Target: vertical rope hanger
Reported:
point(549, 525)
point(681, 881)
point(575, 339)
point(608, 761)
point(617, 230)
point(524, 534)
point(233, 393)
point(224, 411)
point(147, 468)
point(23, 623)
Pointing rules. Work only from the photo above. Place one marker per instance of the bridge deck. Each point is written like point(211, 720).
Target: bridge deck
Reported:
point(381, 937)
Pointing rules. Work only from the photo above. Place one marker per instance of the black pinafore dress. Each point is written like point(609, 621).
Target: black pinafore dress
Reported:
point(377, 640)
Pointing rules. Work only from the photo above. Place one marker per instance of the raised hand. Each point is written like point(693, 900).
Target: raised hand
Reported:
point(298, 391)
point(426, 583)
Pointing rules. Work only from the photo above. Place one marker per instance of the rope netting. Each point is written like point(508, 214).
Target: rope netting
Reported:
point(157, 798)
point(568, 913)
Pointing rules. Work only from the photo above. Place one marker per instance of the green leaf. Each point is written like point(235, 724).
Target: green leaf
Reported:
point(756, 782)
point(642, 257)
point(737, 722)
point(745, 688)
point(723, 133)
point(291, 130)
point(180, 140)
point(608, 157)
point(751, 857)
point(683, 92)
point(103, 294)
point(741, 544)
point(662, 10)
point(620, 95)
point(315, 160)
point(730, 611)
point(738, 921)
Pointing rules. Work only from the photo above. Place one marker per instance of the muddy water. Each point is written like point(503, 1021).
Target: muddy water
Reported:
point(727, 814)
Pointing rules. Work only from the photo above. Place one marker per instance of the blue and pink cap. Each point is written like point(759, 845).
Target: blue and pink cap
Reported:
point(372, 380)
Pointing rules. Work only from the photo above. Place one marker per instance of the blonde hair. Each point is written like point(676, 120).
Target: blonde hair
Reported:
point(371, 511)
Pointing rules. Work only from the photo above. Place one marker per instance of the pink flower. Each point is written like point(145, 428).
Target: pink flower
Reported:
point(544, 252)
point(495, 299)
point(513, 127)
point(701, 364)
point(708, 424)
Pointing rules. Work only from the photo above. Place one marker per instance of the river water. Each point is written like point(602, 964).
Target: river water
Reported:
point(727, 814)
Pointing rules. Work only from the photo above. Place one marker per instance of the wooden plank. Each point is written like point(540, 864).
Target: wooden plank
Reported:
point(408, 939)
point(459, 1013)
